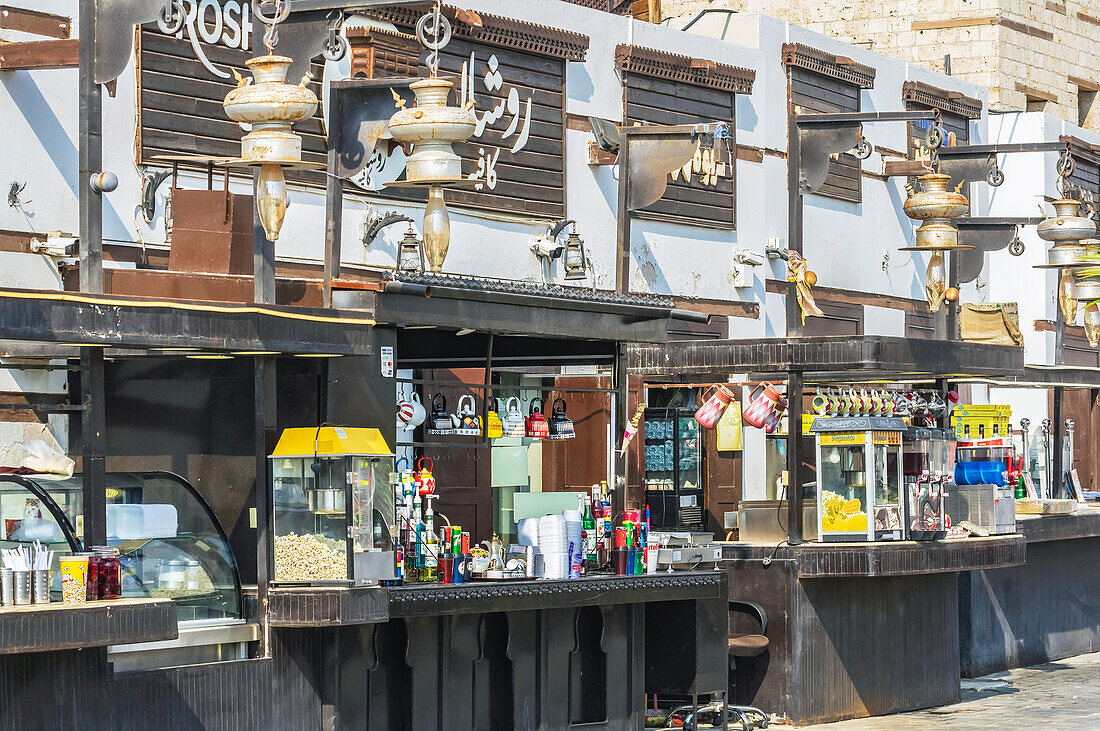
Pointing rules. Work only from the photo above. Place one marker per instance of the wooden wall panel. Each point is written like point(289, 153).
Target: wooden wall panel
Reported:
point(649, 100)
point(816, 93)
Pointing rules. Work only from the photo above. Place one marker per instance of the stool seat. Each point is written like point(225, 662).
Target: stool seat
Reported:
point(747, 645)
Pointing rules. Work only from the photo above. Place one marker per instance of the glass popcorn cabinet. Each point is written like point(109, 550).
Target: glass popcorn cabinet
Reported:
point(332, 506)
point(859, 478)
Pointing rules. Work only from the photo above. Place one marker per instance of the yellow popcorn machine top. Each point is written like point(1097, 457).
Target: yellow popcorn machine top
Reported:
point(859, 478)
point(332, 506)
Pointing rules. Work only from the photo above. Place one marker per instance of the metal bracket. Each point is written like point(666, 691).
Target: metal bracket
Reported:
point(818, 144)
point(114, 31)
point(150, 183)
point(13, 194)
point(986, 235)
point(306, 35)
point(971, 168)
point(378, 222)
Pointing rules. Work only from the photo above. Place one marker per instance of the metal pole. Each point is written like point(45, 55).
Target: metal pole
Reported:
point(90, 154)
point(1056, 446)
point(794, 217)
point(622, 394)
point(622, 266)
point(951, 315)
point(1059, 324)
point(264, 432)
point(94, 446)
point(334, 199)
point(794, 458)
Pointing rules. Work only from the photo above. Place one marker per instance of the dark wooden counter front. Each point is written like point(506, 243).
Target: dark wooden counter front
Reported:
point(474, 597)
point(1039, 528)
point(900, 558)
point(57, 626)
point(319, 606)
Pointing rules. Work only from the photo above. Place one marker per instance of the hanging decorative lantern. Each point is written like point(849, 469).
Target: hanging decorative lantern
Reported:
point(1067, 295)
point(430, 128)
point(1066, 230)
point(574, 258)
point(409, 256)
point(935, 206)
point(1092, 323)
point(271, 106)
point(935, 281)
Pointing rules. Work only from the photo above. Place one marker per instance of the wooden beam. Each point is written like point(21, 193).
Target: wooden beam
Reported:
point(35, 22)
point(28, 55)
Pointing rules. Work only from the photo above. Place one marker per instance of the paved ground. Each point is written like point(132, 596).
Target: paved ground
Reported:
point(1063, 695)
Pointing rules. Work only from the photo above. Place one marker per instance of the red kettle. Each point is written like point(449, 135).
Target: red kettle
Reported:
point(537, 427)
point(764, 402)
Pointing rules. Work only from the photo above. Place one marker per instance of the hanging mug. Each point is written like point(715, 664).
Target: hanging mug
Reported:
point(405, 413)
point(832, 403)
point(762, 403)
point(711, 411)
point(820, 403)
point(419, 412)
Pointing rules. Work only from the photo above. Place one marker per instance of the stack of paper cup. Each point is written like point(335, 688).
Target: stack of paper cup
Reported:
point(554, 546)
point(528, 532)
point(573, 528)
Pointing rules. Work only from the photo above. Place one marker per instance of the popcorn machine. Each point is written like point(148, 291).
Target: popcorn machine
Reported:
point(859, 478)
point(332, 506)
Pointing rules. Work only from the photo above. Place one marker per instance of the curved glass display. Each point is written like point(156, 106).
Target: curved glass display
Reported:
point(169, 541)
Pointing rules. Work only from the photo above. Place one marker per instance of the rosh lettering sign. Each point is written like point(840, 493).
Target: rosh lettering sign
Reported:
point(225, 23)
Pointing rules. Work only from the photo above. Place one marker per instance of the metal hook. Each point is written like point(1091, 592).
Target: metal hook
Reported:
point(282, 12)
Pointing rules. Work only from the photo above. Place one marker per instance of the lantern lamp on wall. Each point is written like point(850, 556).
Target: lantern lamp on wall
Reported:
point(409, 255)
point(574, 258)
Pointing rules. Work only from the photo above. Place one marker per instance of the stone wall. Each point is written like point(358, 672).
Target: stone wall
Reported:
point(1037, 55)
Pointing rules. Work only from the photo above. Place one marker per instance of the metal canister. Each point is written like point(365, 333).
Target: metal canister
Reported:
point(40, 586)
point(7, 587)
point(22, 587)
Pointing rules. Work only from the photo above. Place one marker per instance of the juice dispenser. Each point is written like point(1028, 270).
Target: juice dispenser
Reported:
point(925, 454)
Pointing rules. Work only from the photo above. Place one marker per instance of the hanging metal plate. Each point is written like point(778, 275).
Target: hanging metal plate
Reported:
point(652, 158)
point(817, 144)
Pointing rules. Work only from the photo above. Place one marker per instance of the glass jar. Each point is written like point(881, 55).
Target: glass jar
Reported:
point(108, 571)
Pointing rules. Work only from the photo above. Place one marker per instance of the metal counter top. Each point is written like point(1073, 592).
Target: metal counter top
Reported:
point(58, 626)
point(895, 558)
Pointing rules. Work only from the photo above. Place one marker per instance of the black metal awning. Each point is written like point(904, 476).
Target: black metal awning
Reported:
point(31, 319)
point(826, 358)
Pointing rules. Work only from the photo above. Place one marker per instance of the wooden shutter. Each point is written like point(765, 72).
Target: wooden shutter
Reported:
point(956, 111)
point(841, 318)
point(663, 88)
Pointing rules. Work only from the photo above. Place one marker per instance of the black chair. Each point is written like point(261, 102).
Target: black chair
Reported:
point(747, 647)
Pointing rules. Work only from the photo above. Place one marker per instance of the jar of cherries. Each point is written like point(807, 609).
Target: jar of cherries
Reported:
point(107, 570)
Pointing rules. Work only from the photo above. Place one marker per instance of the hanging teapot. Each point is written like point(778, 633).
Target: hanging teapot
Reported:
point(440, 422)
point(762, 404)
point(512, 422)
point(494, 427)
point(561, 426)
point(537, 428)
point(712, 409)
point(425, 480)
point(465, 419)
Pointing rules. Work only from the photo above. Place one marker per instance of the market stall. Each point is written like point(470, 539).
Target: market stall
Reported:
point(868, 482)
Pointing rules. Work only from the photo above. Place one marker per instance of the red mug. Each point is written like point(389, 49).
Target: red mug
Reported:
point(762, 404)
point(710, 412)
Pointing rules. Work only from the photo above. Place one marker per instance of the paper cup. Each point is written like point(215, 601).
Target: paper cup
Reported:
point(74, 579)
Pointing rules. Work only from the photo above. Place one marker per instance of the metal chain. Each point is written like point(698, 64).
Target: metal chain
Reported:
point(172, 16)
point(282, 12)
point(435, 37)
point(1066, 168)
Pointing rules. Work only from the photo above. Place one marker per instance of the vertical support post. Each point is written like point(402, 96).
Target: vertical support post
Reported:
point(794, 458)
point(90, 154)
point(1057, 430)
point(622, 247)
point(334, 198)
point(794, 219)
point(94, 447)
point(622, 396)
point(951, 309)
point(1059, 325)
point(263, 438)
point(263, 256)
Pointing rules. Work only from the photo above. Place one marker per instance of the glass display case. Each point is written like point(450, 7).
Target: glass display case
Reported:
point(333, 506)
point(170, 543)
point(673, 468)
point(859, 475)
point(928, 460)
